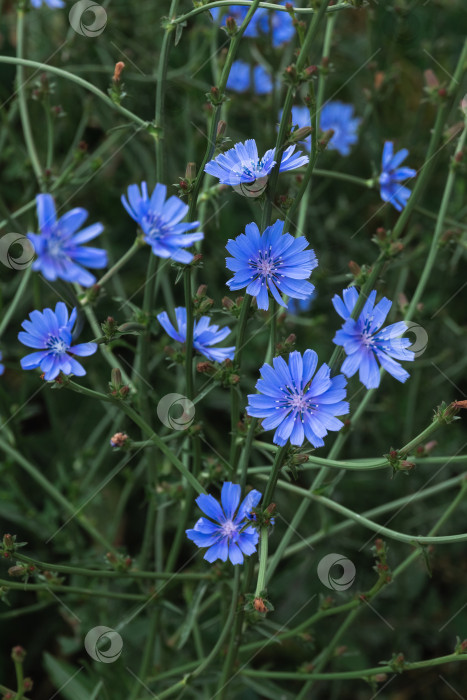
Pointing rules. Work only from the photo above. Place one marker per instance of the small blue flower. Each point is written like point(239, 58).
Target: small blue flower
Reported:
point(392, 175)
point(50, 332)
point(363, 341)
point(339, 117)
point(279, 23)
point(299, 306)
point(240, 78)
point(273, 260)
point(241, 164)
point(204, 335)
point(59, 248)
point(334, 115)
point(239, 12)
point(53, 4)
point(229, 535)
point(263, 22)
point(296, 403)
point(160, 221)
point(2, 367)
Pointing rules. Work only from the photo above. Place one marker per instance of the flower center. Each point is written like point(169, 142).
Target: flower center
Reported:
point(265, 264)
point(57, 345)
point(296, 400)
point(229, 529)
point(251, 169)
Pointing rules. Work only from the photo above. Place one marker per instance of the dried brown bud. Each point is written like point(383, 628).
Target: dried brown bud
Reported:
point(431, 80)
point(221, 128)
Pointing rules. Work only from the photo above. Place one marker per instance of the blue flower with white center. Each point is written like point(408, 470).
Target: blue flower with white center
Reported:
point(204, 335)
point(50, 333)
point(53, 4)
point(230, 535)
point(241, 164)
point(240, 78)
point(340, 117)
point(2, 367)
point(363, 341)
point(273, 261)
point(392, 175)
point(58, 246)
point(297, 403)
point(160, 221)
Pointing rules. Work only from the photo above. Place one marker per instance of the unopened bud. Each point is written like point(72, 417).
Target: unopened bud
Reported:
point(221, 128)
point(231, 25)
point(431, 80)
point(119, 66)
point(190, 172)
point(259, 605)
point(354, 268)
point(18, 654)
point(116, 377)
point(201, 291)
point(227, 303)
point(118, 440)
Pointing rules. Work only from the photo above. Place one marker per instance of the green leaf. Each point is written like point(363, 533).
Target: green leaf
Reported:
point(68, 680)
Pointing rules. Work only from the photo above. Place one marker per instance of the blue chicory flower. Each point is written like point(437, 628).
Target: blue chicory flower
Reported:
point(340, 117)
point(53, 4)
point(229, 535)
point(296, 403)
point(204, 335)
point(50, 333)
point(263, 22)
point(273, 261)
point(392, 175)
point(334, 115)
point(299, 306)
point(240, 78)
point(363, 341)
point(241, 164)
point(2, 367)
point(58, 246)
point(160, 221)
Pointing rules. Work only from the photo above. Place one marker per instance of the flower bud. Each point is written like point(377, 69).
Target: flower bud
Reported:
point(190, 172)
point(259, 605)
point(221, 128)
point(119, 66)
point(18, 654)
point(118, 440)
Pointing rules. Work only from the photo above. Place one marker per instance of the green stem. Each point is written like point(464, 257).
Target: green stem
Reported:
point(426, 274)
point(40, 67)
point(363, 674)
point(375, 527)
point(23, 107)
point(138, 243)
point(19, 295)
point(73, 589)
point(265, 5)
point(106, 573)
point(263, 559)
